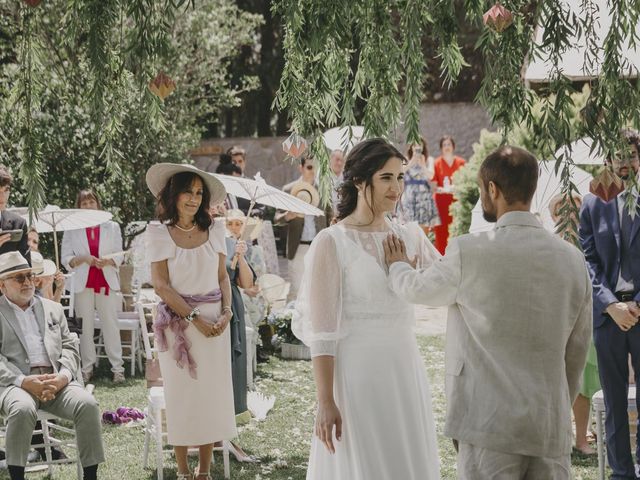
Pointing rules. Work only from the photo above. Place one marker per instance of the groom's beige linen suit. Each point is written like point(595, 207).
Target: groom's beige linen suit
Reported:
point(518, 331)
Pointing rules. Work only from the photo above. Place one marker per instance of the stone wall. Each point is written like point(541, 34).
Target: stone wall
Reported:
point(461, 120)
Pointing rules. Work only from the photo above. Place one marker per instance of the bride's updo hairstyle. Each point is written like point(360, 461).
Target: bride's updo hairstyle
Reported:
point(363, 161)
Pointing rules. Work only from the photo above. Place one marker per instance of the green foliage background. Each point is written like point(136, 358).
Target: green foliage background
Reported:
point(68, 146)
point(524, 135)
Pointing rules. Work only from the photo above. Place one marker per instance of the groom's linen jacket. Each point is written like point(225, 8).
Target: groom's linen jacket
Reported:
point(518, 332)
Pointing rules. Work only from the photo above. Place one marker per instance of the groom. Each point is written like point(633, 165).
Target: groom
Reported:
point(518, 331)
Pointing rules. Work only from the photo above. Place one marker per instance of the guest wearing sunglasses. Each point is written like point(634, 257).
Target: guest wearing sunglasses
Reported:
point(39, 369)
point(301, 229)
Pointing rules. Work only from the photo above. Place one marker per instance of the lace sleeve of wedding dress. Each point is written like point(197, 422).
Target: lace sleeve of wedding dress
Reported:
point(319, 304)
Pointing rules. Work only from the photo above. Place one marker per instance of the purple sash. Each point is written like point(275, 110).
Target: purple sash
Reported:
point(167, 318)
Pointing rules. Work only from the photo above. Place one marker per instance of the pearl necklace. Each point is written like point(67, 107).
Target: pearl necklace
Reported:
point(186, 230)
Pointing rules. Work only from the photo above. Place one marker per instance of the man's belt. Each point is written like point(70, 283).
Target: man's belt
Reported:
point(41, 370)
point(305, 243)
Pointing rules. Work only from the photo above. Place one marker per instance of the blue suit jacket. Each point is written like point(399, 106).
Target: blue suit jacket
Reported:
point(600, 239)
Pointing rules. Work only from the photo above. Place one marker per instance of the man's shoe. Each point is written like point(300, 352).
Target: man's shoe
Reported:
point(56, 453)
point(118, 377)
point(86, 376)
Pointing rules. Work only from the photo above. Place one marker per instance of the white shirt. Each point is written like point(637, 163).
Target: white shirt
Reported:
point(309, 229)
point(36, 351)
point(622, 285)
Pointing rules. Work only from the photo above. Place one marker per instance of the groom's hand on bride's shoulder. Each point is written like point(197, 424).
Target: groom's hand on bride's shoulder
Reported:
point(395, 251)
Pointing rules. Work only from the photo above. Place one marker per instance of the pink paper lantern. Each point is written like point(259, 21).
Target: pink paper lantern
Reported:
point(607, 185)
point(498, 18)
point(295, 145)
point(162, 85)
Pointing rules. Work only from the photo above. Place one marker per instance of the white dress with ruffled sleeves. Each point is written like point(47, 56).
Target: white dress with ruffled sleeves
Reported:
point(199, 411)
point(345, 309)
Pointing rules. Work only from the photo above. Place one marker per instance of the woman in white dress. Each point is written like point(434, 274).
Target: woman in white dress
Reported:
point(374, 418)
point(188, 253)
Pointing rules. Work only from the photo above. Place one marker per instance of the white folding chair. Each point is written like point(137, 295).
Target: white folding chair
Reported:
point(154, 427)
point(131, 349)
point(68, 299)
point(274, 289)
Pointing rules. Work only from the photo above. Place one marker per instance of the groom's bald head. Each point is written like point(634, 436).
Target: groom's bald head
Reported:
point(513, 170)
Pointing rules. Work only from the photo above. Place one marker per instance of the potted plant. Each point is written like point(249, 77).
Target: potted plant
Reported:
point(283, 338)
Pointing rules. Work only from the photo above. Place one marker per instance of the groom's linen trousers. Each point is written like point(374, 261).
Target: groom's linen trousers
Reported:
point(476, 463)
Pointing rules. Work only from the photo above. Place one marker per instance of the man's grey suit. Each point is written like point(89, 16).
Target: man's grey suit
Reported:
point(19, 407)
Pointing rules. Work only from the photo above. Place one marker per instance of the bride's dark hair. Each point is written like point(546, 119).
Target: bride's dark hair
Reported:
point(363, 161)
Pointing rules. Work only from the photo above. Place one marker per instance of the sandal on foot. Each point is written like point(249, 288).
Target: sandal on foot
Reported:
point(201, 476)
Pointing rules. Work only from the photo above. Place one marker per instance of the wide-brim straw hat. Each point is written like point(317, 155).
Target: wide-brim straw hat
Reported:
point(160, 173)
point(306, 192)
point(42, 267)
point(12, 263)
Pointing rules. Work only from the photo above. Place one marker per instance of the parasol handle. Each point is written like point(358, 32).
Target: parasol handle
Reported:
point(55, 245)
point(234, 262)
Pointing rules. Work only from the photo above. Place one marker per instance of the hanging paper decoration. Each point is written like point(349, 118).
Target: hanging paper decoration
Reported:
point(607, 185)
point(162, 85)
point(498, 18)
point(295, 145)
point(32, 3)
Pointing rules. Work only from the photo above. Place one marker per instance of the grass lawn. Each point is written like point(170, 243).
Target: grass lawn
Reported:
point(281, 442)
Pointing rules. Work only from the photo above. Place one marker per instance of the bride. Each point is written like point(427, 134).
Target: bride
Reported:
point(374, 418)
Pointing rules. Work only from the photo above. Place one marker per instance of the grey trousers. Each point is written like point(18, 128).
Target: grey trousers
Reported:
point(19, 408)
point(475, 463)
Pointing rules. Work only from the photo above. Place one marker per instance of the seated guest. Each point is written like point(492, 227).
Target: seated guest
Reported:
point(49, 280)
point(33, 239)
point(38, 367)
point(255, 305)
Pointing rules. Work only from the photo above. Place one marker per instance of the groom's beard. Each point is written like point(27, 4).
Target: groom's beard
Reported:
point(488, 210)
point(489, 216)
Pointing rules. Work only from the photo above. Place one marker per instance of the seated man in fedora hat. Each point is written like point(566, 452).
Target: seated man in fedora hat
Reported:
point(38, 363)
point(302, 229)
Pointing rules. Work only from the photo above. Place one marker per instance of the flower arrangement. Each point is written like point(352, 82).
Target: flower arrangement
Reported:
point(280, 322)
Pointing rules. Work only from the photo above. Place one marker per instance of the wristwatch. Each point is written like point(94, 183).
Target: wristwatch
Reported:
point(192, 315)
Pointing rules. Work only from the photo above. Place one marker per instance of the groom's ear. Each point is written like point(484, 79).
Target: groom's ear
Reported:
point(494, 191)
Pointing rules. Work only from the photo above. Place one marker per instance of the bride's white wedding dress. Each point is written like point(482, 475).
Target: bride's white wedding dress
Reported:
point(346, 309)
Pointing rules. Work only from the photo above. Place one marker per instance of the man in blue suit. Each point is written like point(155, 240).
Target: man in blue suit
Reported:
point(610, 238)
